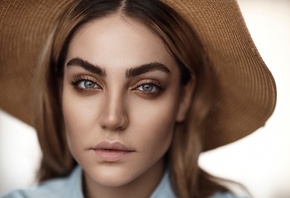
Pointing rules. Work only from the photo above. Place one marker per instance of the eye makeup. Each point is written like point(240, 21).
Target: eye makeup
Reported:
point(83, 83)
point(149, 87)
point(148, 79)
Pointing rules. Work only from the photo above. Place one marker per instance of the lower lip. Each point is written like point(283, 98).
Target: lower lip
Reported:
point(111, 155)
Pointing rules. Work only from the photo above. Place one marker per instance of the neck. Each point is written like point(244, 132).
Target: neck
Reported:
point(142, 186)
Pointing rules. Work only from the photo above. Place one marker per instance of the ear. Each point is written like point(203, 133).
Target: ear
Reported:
point(185, 99)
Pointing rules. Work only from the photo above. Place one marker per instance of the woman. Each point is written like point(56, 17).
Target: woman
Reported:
point(129, 93)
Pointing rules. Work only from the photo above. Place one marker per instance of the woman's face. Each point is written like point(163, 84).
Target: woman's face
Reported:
point(121, 98)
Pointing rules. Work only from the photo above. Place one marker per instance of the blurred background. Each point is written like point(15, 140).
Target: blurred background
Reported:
point(260, 161)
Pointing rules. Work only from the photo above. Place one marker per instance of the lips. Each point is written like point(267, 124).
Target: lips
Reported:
point(112, 151)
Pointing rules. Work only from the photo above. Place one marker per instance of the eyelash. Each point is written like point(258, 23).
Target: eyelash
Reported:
point(155, 84)
point(75, 82)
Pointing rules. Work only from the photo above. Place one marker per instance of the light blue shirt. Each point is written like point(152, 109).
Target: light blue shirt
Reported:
point(71, 187)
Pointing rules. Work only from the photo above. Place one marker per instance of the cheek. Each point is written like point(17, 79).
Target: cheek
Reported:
point(155, 124)
point(79, 118)
point(78, 110)
point(158, 136)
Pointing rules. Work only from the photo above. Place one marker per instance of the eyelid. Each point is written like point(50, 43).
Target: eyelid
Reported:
point(157, 84)
point(154, 82)
point(78, 79)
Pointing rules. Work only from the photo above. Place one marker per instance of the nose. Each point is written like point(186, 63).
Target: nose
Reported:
point(114, 114)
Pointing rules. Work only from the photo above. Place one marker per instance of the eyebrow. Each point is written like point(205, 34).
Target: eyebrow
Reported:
point(146, 68)
point(130, 73)
point(87, 66)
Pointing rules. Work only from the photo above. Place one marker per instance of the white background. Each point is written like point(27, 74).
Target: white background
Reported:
point(260, 161)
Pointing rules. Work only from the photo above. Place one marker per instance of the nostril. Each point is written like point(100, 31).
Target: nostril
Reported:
point(113, 115)
point(119, 127)
point(114, 122)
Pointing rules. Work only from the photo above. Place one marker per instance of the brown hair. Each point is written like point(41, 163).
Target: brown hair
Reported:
point(183, 44)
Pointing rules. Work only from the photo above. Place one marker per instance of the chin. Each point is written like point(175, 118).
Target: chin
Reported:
point(112, 177)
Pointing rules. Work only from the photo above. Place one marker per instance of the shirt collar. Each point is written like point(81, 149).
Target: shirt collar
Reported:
point(163, 190)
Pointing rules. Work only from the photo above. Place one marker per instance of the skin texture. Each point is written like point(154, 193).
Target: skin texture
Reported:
point(137, 110)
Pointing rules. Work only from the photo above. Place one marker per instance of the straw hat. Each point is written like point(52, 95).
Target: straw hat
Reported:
point(245, 96)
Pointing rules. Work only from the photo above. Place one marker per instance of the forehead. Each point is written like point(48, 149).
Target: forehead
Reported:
point(116, 41)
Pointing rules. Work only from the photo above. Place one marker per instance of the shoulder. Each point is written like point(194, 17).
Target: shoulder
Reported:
point(51, 188)
point(226, 195)
point(32, 193)
point(55, 188)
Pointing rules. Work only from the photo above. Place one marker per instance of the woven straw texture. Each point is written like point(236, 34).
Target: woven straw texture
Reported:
point(245, 93)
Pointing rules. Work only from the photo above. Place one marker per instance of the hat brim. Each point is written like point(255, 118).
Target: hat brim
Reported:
point(245, 92)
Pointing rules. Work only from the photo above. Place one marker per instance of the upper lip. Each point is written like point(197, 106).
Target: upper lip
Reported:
point(115, 145)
